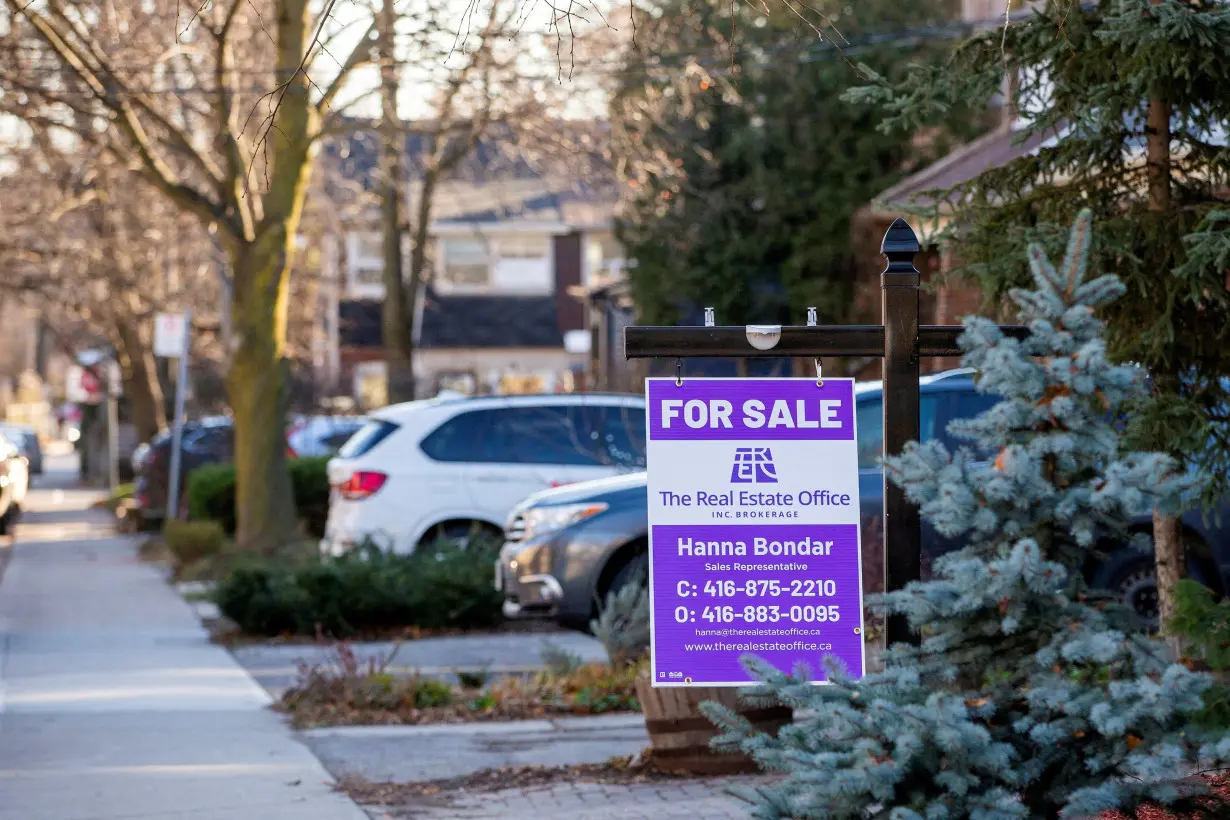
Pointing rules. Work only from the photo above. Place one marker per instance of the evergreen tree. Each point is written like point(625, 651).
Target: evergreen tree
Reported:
point(1132, 94)
point(1029, 698)
point(744, 167)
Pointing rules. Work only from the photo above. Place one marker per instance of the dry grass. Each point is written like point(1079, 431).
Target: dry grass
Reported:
point(346, 691)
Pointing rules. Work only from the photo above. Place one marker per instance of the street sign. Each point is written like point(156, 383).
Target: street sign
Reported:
point(82, 386)
point(170, 334)
point(753, 527)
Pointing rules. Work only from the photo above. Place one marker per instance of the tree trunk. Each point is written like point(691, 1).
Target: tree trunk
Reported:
point(1171, 563)
point(1167, 535)
point(144, 390)
point(256, 387)
point(396, 315)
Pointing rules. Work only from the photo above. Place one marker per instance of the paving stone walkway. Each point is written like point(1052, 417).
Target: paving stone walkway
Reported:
point(692, 800)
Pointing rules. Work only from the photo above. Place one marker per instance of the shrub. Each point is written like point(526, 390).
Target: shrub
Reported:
point(366, 591)
point(623, 624)
point(1204, 624)
point(211, 493)
point(192, 541)
point(1028, 695)
point(347, 690)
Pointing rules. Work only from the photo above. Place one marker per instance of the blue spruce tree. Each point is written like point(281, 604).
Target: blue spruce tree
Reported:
point(1029, 697)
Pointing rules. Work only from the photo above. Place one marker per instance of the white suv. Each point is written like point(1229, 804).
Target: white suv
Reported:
point(424, 469)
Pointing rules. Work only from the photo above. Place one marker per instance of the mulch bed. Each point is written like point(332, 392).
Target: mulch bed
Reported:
point(626, 771)
point(1217, 805)
point(324, 715)
point(617, 771)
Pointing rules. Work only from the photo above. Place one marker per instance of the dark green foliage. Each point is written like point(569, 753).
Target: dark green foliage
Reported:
point(1087, 72)
point(1204, 624)
point(745, 168)
point(364, 592)
point(211, 493)
point(192, 541)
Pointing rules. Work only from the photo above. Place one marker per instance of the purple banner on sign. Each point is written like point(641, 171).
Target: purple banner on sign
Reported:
point(784, 593)
point(751, 410)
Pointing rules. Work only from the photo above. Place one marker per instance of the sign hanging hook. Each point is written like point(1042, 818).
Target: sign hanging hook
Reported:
point(678, 372)
point(812, 321)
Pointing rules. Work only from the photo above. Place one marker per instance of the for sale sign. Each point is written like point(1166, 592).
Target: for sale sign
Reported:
point(753, 527)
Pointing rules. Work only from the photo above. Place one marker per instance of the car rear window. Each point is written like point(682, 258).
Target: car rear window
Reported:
point(368, 436)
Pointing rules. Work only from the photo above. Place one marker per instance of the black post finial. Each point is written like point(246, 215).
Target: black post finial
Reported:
point(900, 242)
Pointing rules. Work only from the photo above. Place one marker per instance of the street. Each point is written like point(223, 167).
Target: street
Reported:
point(113, 703)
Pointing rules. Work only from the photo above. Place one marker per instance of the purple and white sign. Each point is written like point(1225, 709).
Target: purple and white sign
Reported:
point(753, 527)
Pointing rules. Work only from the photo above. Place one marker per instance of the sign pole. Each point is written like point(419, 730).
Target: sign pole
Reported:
point(113, 437)
point(900, 341)
point(177, 431)
point(902, 524)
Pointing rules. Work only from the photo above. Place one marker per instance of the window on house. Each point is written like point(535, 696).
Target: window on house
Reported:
point(368, 274)
point(466, 261)
point(524, 247)
point(369, 246)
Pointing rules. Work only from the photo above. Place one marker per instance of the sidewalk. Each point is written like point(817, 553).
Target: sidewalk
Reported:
point(113, 704)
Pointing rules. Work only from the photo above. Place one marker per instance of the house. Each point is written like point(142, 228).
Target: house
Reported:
point(943, 301)
point(506, 245)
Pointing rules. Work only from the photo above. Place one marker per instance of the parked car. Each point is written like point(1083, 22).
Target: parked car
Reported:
point(446, 466)
point(566, 549)
point(10, 509)
point(317, 436)
point(26, 439)
point(204, 441)
point(212, 441)
point(16, 472)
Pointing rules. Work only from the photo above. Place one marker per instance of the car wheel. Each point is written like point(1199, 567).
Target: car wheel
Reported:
point(1136, 588)
point(637, 567)
point(460, 533)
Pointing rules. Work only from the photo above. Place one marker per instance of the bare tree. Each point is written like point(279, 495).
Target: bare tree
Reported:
point(220, 108)
point(85, 241)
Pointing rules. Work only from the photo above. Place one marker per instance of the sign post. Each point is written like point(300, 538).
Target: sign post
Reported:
point(900, 341)
point(753, 519)
point(114, 387)
point(171, 338)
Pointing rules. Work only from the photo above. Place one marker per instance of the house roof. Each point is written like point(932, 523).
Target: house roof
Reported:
point(574, 183)
point(1009, 143)
point(461, 321)
point(999, 147)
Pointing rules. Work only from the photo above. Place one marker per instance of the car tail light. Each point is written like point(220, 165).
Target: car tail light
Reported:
point(362, 484)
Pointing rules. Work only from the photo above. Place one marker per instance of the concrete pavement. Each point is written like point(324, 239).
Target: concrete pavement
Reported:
point(113, 703)
point(406, 754)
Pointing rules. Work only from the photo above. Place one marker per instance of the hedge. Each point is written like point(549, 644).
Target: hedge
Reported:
point(211, 493)
point(365, 592)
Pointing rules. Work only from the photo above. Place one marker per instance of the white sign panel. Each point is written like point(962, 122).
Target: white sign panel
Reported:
point(170, 334)
point(753, 528)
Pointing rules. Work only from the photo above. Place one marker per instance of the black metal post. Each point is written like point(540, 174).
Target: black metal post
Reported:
point(902, 526)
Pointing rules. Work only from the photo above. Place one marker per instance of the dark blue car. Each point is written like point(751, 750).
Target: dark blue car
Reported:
point(566, 549)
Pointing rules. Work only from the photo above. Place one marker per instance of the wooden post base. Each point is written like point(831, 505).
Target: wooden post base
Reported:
point(679, 733)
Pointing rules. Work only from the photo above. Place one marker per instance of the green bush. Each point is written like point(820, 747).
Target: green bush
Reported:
point(1204, 624)
point(365, 592)
point(193, 541)
point(211, 493)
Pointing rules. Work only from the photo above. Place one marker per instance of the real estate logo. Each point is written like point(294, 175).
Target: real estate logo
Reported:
point(753, 465)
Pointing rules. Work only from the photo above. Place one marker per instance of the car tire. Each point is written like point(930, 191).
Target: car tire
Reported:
point(458, 532)
point(1134, 584)
point(638, 565)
